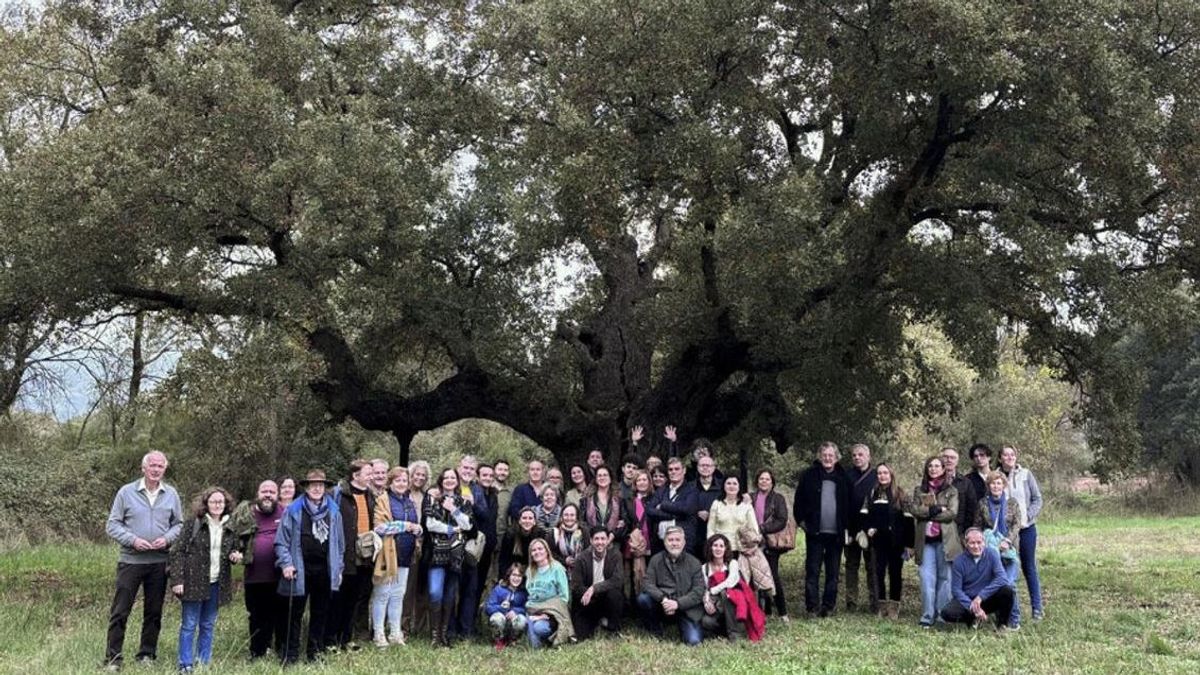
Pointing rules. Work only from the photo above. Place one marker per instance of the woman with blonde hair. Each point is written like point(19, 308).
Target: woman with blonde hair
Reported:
point(637, 545)
point(999, 517)
point(416, 609)
point(398, 523)
point(548, 601)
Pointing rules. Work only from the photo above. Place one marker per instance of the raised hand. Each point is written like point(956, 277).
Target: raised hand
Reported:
point(669, 433)
point(636, 434)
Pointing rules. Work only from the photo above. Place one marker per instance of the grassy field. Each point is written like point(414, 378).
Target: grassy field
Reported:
point(1123, 595)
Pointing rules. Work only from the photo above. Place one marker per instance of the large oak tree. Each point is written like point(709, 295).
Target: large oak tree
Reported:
point(573, 217)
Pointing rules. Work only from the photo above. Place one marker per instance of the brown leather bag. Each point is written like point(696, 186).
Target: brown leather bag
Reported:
point(783, 540)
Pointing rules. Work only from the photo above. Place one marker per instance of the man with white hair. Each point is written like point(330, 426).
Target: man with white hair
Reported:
point(980, 588)
point(146, 516)
point(673, 589)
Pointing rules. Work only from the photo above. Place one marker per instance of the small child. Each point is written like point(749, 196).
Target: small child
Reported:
point(505, 607)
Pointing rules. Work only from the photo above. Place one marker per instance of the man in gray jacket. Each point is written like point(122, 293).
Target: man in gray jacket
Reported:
point(146, 517)
point(673, 589)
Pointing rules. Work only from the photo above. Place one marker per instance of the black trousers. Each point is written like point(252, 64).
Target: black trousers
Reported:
point(317, 598)
point(888, 565)
point(772, 556)
point(152, 579)
point(606, 605)
point(821, 550)
point(998, 607)
point(267, 611)
point(349, 602)
point(857, 558)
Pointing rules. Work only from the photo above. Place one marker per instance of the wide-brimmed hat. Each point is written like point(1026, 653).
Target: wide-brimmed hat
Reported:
point(316, 476)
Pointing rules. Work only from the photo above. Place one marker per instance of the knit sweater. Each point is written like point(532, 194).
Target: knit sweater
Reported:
point(132, 517)
point(972, 578)
point(727, 519)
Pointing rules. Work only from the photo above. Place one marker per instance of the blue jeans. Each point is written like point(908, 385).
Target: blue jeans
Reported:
point(935, 581)
point(1013, 568)
point(689, 631)
point(387, 602)
point(539, 632)
point(201, 614)
point(1028, 555)
point(443, 586)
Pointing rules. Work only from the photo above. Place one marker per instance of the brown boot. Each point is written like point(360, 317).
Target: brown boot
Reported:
point(893, 609)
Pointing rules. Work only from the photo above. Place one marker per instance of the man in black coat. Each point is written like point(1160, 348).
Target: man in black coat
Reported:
point(354, 497)
point(597, 581)
point(676, 503)
point(862, 482)
point(968, 499)
point(709, 488)
point(822, 509)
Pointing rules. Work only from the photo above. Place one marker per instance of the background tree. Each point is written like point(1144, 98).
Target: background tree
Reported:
point(574, 217)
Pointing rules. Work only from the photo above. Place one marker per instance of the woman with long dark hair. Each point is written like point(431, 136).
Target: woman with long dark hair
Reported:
point(730, 608)
point(935, 504)
point(445, 520)
point(890, 533)
point(604, 507)
point(581, 483)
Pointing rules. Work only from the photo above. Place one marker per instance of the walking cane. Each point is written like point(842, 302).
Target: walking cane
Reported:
point(287, 636)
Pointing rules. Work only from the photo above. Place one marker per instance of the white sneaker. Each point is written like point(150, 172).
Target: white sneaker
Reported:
point(380, 641)
point(397, 637)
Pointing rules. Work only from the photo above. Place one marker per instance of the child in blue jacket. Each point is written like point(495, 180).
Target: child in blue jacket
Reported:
point(505, 607)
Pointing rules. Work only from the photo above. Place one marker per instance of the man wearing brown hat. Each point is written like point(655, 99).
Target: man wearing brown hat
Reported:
point(309, 550)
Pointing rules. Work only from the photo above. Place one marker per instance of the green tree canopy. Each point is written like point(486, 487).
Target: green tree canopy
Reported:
point(572, 217)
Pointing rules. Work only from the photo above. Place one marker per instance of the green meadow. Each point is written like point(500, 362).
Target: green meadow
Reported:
point(1122, 595)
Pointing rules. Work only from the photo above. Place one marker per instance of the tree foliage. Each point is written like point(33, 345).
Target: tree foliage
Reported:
point(574, 217)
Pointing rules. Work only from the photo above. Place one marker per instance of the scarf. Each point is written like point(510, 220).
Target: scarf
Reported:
point(760, 507)
point(610, 516)
point(569, 541)
point(639, 512)
point(319, 514)
point(998, 510)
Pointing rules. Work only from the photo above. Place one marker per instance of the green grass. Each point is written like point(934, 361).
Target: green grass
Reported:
point(1122, 594)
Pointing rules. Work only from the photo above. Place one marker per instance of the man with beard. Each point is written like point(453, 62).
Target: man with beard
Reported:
point(673, 589)
point(504, 495)
point(255, 524)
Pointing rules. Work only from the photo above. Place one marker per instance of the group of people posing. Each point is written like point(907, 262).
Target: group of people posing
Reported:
point(392, 550)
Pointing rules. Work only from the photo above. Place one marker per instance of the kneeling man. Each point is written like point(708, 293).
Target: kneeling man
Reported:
point(979, 587)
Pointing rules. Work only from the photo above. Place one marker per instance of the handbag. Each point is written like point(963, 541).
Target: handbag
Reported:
point(364, 547)
point(475, 545)
point(993, 538)
point(637, 543)
point(783, 540)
